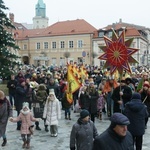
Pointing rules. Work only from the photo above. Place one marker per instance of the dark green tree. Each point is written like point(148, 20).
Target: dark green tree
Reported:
point(8, 59)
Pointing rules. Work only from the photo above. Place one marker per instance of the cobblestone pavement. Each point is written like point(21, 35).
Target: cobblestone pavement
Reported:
point(42, 140)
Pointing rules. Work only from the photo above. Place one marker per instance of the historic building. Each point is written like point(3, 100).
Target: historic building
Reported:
point(57, 44)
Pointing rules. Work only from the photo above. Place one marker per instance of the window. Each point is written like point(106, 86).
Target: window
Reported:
point(119, 32)
point(110, 34)
point(53, 45)
point(80, 44)
point(25, 46)
point(101, 34)
point(62, 61)
point(62, 44)
point(54, 61)
point(70, 44)
point(45, 45)
point(38, 45)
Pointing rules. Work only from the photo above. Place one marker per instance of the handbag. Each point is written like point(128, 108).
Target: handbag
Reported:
point(31, 129)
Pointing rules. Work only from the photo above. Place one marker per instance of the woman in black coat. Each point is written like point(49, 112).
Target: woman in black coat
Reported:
point(92, 97)
point(21, 97)
point(136, 112)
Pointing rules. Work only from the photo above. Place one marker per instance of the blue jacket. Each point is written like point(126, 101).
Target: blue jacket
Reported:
point(136, 112)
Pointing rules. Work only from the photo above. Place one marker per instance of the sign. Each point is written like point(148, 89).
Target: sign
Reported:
point(40, 58)
point(83, 54)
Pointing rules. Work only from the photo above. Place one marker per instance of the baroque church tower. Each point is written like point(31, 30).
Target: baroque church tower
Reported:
point(40, 20)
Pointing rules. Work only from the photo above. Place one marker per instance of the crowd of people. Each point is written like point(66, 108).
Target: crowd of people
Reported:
point(126, 101)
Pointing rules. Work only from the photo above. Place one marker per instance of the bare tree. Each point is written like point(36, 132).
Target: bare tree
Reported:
point(66, 55)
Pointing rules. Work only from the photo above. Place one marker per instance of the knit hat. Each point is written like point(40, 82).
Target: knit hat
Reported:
point(118, 119)
point(51, 91)
point(136, 95)
point(84, 113)
point(21, 80)
point(25, 104)
point(146, 84)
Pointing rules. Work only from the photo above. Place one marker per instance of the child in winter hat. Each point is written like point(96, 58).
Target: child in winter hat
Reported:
point(26, 117)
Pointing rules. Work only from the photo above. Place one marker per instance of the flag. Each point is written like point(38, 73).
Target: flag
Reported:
point(83, 73)
point(73, 83)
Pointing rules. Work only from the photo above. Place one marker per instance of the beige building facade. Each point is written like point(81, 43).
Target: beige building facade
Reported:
point(57, 45)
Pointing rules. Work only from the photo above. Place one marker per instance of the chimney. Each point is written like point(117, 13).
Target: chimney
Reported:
point(11, 17)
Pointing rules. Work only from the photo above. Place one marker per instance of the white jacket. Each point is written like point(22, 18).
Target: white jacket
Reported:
point(52, 112)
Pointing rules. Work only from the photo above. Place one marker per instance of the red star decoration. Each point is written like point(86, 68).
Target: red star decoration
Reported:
point(117, 53)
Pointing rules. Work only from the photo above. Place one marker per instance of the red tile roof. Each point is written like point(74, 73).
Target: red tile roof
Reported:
point(69, 27)
point(78, 26)
point(131, 29)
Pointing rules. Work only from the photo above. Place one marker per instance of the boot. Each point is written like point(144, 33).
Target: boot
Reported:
point(66, 117)
point(28, 145)
point(24, 144)
point(46, 128)
point(69, 117)
point(100, 116)
point(4, 142)
point(38, 128)
point(37, 125)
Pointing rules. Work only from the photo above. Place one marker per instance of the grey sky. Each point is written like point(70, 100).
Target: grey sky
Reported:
point(98, 13)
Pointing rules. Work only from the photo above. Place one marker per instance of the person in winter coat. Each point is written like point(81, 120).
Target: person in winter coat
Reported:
point(83, 98)
point(11, 85)
point(136, 111)
point(145, 97)
point(121, 95)
point(53, 85)
point(100, 104)
point(52, 113)
point(67, 106)
point(108, 89)
point(116, 136)
point(21, 93)
point(40, 99)
point(26, 118)
point(83, 133)
point(5, 113)
point(92, 97)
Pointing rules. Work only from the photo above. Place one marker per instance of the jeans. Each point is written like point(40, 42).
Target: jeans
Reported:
point(11, 98)
point(67, 111)
point(110, 105)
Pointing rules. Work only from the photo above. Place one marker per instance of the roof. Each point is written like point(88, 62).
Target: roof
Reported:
point(131, 29)
point(70, 27)
point(78, 26)
point(19, 26)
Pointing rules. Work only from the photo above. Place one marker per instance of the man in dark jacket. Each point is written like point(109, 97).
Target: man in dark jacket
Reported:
point(11, 85)
point(136, 111)
point(53, 85)
point(121, 95)
point(116, 137)
point(83, 132)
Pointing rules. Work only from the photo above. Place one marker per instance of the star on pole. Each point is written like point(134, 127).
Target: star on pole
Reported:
point(117, 53)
